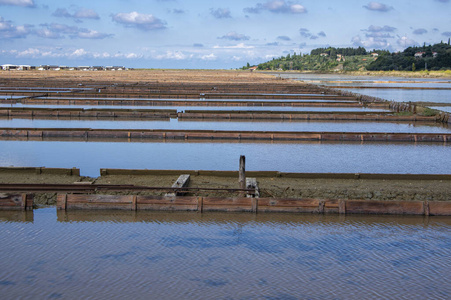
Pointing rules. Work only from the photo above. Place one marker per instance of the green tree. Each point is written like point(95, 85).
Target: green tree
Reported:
point(413, 67)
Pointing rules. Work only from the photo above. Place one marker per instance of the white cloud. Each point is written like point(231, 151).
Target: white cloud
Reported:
point(405, 42)
point(26, 3)
point(386, 28)
point(371, 42)
point(211, 56)
point(9, 31)
point(82, 13)
point(379, 32)
point(132, 56)
point(141, 21)
point(277, 6)
point(59, 31)
point(234, 36)
point(69, 54)
point(79, 52)
point(173, 55)
point(30, 52)
point(92, 34)
point(238, 46)
point(376, 6)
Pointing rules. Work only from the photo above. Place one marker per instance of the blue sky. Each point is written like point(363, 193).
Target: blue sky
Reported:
point(208, 33)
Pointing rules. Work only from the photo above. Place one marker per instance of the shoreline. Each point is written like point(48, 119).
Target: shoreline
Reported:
point(401, 74)
point(276, 185)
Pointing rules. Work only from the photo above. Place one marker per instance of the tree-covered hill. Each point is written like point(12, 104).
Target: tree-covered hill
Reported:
point(435, 57)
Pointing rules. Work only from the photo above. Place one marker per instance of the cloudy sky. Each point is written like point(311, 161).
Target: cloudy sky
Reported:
point(208, 33)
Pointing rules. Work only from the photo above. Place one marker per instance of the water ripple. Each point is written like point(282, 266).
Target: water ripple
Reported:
point(234, 256)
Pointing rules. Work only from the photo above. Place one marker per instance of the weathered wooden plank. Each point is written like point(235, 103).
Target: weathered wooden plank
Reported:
point(440, 208)
point(16, 201)
point(384, 207)
point(227, 204)
point(182, 203)
point(182, 181)
point(275, 202)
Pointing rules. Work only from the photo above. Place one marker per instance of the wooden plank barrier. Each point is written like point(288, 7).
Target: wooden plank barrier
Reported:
point(256, 205)
point(142, 134)
point(187, 102)
point(16, 201)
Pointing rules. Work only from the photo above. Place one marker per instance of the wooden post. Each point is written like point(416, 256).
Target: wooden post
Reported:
point(342, 206)
point(24, 201)
point(134, 203)
point(242, 172)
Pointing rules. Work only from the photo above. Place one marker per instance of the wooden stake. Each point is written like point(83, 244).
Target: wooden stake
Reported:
point(242, 172)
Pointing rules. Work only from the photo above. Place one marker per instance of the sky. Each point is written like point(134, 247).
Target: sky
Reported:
point(208, 34)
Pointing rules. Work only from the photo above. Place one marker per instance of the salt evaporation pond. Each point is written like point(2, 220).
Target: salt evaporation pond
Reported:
point(403, 95)
point(316, 157)
point(150, 255)
point(247, 125)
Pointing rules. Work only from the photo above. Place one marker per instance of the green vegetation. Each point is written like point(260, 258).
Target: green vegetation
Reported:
point(435, 57)
point(429, 112)
point(432, 57)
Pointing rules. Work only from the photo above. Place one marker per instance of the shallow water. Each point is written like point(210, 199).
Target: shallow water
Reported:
point(402, 95)
point(325, 78)
point(237, 125)
point(286, 157)
point(117, 255)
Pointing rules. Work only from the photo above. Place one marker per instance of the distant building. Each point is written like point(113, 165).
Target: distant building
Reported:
point(23, 67)
point(374, 54)
point(8, 67)
point(340, 57)
point(253, 68)
point(434, 54)
point(324, 54)
point(419, 54)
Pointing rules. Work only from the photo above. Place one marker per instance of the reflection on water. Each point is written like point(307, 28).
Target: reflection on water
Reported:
point(401, 95)
point(16, 216)
point(224, 256)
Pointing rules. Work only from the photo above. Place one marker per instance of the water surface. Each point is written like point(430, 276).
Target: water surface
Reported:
point(316, 157)
point(118, 255)
point(236, 125)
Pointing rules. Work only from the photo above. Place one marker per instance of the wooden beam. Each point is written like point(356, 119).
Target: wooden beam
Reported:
point(182, 181)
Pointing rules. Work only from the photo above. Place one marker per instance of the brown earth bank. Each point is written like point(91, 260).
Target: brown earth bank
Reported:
point(277, 187)
point(142, 76)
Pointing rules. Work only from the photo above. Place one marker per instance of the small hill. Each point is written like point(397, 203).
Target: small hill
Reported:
point(432, 57)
